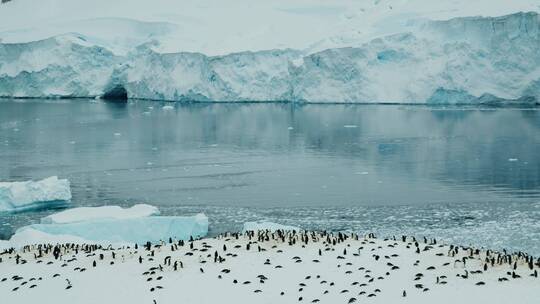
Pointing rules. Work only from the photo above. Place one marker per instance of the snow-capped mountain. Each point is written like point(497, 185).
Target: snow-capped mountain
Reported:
point(300, 50)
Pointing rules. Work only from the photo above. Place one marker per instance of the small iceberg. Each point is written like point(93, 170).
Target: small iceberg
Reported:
point(100, 213)
point(121, 231)
point(256, 226)
point(110, 225)
point(22, 196)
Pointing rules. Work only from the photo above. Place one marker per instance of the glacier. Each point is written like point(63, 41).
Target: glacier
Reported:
point(462, 60)
point(22, 196)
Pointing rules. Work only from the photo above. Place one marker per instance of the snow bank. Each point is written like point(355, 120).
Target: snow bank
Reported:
point(255, 226)
point(20, 196)
point(100, 213)
point(462, 60)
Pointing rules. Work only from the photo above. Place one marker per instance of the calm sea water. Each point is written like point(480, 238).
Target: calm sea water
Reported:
point(465, 174)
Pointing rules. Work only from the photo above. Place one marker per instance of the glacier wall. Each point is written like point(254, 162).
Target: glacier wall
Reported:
point(462, 60)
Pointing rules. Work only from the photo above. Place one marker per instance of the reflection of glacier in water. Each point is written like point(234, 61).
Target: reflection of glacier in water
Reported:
point(467, 174)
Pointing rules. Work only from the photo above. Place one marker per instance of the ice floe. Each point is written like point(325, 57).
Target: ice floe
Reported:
point(109, 225)
point(100, 213)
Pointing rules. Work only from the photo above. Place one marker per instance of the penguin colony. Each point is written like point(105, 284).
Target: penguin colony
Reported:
point(265, 266)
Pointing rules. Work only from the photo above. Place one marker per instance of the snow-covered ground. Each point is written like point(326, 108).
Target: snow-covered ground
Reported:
point(21, 196)
point(306, 267)
point(301, 50)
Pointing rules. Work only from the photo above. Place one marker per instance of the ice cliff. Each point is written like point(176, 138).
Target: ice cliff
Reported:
point(461, 60)
point(270, 226)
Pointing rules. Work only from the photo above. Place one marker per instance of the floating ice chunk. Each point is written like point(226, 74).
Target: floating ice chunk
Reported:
point(512, 159)
point(290, 128)
point(350, 126)
point(254, 226)
point(100, 213)
point(20, 196)
point(117, 134)
point(116, 231)
point(168, 108)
